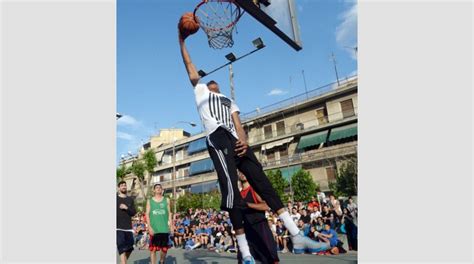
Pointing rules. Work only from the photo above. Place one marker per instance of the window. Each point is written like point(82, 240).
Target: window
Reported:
point(283, 153)
point(167, 157)
point(162, 178)
point(322, 116)
point(280, 128)
point(330, 173)
point(270, 155)
point(268, 131)
point(179, 154)
point(186, 172)
point(197, 145)
point(347, 108)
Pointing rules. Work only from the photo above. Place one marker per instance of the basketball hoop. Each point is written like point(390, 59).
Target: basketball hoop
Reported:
point(218, 18)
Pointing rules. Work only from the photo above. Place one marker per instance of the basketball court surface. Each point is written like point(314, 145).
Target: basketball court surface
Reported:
point(201, 256)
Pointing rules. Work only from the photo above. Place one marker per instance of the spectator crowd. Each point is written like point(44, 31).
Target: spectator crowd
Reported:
point(321, 219)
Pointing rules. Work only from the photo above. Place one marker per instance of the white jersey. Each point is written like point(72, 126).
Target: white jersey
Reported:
point(215, 109)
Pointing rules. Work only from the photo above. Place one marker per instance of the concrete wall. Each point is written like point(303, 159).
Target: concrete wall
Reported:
point(319, 176)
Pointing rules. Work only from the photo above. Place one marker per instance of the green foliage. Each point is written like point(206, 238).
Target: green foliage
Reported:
point(150, 161)
point(303, 186)
point(140, 206)
point(346, 179)
point(199, 200)
point(279, 183)
point(121, 172)
point(138, 168)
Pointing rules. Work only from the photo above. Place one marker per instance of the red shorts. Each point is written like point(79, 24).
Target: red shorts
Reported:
point(159, 241)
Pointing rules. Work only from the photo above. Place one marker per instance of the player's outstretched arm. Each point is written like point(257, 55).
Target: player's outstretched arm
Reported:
point(190, 68)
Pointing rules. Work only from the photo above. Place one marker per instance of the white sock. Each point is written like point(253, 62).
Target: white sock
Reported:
point(243, 245)
point(289, 224)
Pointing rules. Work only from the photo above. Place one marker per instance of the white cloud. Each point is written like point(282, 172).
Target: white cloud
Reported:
point(277, 91)
point(127, 120)
point(126, 136)
point(346, 31)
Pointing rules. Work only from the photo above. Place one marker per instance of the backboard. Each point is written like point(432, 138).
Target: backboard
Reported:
point(277, 15)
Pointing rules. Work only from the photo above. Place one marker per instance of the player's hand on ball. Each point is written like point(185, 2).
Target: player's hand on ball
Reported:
point(241, 148)
point(181, 35)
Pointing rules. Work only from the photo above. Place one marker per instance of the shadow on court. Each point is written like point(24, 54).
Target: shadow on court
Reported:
point(180, 256)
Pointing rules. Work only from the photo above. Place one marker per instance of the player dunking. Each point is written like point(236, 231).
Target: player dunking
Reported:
point(227, 146)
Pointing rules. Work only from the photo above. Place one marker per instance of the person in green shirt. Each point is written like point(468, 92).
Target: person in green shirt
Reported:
point(160, 224)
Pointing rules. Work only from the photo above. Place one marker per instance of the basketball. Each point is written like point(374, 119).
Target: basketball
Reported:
point(187, 24)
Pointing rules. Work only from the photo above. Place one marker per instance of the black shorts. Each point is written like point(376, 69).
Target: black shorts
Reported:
point(159, 241)
point(124, 241)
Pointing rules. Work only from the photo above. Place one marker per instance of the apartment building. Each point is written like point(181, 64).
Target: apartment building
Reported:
point(316, 131)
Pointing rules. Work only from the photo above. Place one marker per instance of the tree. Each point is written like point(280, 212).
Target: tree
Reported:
point(138, 169)
point(279, 183)
point(303, 186)
point(121, 172)
point(346, 179)
point(150, 162)
point(199, 200)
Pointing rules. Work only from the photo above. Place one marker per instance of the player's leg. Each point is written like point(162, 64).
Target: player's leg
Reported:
point(153, 256)
point(221, 150)
point(253, 170)
point(163, 253)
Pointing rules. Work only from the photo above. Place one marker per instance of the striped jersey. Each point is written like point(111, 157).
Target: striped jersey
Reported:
point(215, 109)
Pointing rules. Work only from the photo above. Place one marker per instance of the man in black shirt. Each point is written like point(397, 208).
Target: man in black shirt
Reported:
point(305, 217)
point(125, 211)
point(328, 216)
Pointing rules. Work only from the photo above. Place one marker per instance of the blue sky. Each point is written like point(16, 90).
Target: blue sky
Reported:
point(153, 90)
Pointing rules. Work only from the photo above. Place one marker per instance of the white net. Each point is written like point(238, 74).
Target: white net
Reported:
point(218, 18)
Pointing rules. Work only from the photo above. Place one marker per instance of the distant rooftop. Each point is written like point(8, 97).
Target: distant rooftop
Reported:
point(298, 98)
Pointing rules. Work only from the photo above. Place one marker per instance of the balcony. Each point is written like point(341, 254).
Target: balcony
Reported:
point(189, 180)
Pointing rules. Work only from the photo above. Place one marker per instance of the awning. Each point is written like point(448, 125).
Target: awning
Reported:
point(312, 139)
point(197, 145)
point(159, 156)
point(343, 132)
point(277, 143)
point(201, 166)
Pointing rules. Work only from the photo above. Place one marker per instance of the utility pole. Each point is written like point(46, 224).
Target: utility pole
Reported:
point(231, 77)
point(335, 68)
point(305, 88)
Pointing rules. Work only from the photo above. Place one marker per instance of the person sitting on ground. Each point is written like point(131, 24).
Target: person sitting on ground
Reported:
point(192, 243)
point(282, 235)
point(329, 235)
point(178, 236)
point(319, 224)
point(313, 234)
point(303, 227)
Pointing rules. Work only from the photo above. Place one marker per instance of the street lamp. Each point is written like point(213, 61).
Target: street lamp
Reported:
point(173, 179)
point(257, 43)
